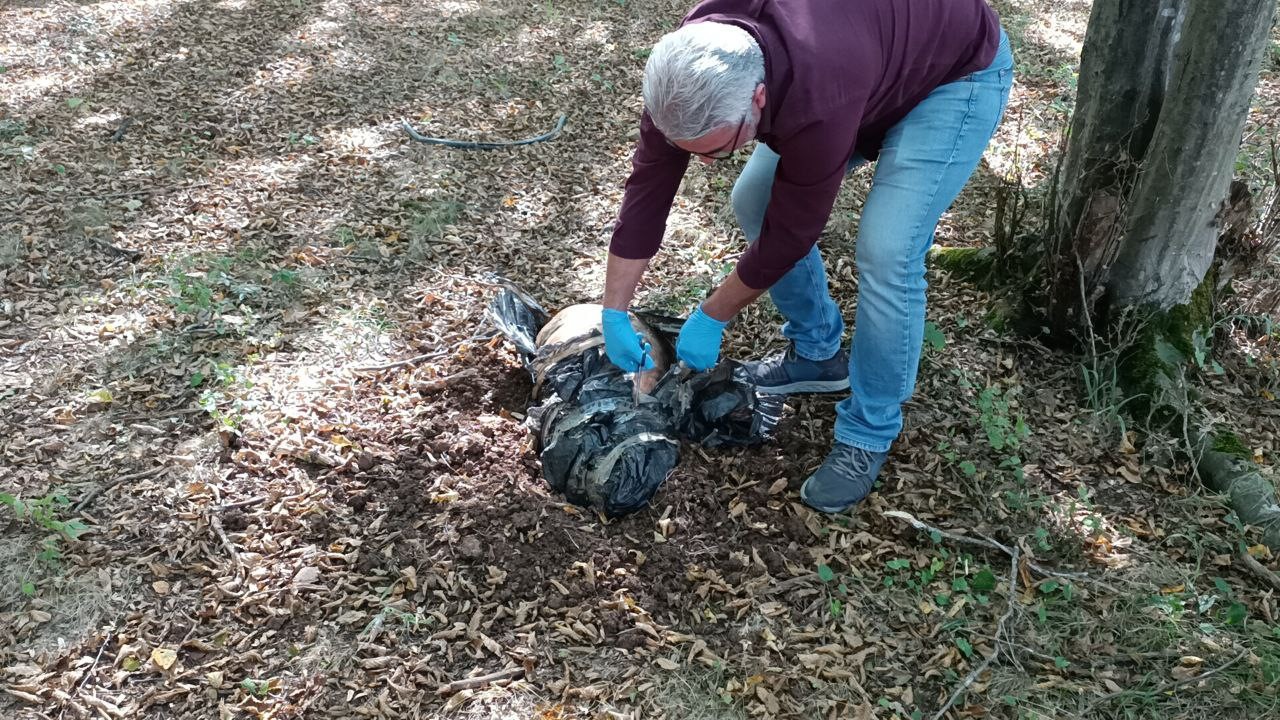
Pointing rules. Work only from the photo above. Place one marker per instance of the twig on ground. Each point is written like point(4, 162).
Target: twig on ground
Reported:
point(1165, 687)
point(84, 678)
point(1259, 570)
point(422, 358)
point(990, 544)
point(140, 191)
point(167, 414)
point(216, 523)
point(94, 493)
point(240, 503)
point(440, 383)
point(401, 363)
point(481, 681)
point(995, 652)
point(130, 255)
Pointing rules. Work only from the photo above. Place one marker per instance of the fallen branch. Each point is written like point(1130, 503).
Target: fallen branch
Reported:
point(481, 681)
point(440, 383)
point(401, 363)
point(94, 493)
point(1259, 570)
point(421, 358)
point(139, 191)
point(216, 523)
point(127, 254)
point(1165, 687)
point(995, 652)
point(991, 544)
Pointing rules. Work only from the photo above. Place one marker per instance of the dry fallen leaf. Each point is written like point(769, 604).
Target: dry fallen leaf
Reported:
point(164, 657)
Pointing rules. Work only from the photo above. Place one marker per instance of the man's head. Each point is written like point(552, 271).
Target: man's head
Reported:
point(704, 88)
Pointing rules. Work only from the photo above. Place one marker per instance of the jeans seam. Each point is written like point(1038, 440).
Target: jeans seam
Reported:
point(869, 447)
point(933, 195)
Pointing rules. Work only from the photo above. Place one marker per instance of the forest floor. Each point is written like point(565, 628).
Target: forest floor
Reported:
point(212, 224)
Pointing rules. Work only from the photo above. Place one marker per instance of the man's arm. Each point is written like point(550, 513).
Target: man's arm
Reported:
point(621, 276)
point(730, 298)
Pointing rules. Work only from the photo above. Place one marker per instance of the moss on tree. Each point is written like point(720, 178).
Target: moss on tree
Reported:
point(975, 265)
point(1147, 367)
point(1228, 443)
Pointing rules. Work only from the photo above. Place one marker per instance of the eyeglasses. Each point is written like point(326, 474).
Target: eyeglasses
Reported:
point(722, 152)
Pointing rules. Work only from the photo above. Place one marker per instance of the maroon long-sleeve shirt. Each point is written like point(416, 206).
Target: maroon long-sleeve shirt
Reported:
point(838, 75)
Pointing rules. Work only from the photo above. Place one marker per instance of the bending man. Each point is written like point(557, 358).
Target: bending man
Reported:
point(919, 86)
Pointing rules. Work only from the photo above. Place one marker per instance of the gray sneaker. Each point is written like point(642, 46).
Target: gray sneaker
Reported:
point(844, 479)
point(789, 374)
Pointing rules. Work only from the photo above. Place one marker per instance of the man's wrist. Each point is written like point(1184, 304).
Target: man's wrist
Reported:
point(713, 319)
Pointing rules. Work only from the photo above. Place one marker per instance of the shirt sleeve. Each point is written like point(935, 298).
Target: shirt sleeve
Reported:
point(656, 170)
point(810, 169)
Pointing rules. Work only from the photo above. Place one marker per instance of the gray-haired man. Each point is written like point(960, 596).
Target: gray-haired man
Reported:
point(825, 86)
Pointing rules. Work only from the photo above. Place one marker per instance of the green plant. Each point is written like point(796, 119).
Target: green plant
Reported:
point(257, 688)
point(46, 513)
point(305, 139)
point(933, 337)
point(1004, 430)
point(837, 594)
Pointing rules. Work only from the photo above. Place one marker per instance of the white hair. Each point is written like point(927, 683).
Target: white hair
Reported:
point(700, 78)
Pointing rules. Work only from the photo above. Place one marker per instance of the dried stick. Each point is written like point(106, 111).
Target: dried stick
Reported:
point(422, 358)
point(94, 493)
point(139, 191)
point(990, 544)
point(401, 363)
point(1259, 570)
point(216, 523)
point(440, 383)
point(1166, 687)
point(481, 681)
point(1008, 612)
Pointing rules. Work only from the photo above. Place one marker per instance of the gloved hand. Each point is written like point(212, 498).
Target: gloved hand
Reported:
point(622, 343)
point(699, 343)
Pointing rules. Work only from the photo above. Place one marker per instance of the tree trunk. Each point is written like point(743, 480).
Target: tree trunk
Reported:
point(1123, 73)
point(1141, 194)
point(1174, 219)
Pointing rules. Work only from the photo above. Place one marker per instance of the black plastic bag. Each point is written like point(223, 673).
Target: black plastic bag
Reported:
point(602, 444)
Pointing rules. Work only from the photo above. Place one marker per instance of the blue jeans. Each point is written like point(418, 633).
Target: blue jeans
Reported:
point(926, 160)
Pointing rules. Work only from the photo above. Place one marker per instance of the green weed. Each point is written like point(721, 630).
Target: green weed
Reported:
point(45, 514)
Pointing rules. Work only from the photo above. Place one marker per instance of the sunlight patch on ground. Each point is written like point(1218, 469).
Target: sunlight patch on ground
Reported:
point(98, 120)
point(1064, 33)
point(366, 142)
point(455, 8)
point(593, 36)
point(322, 31)
point(36, 68)
point(288, 71)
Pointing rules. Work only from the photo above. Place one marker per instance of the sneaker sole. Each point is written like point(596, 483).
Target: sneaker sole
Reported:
point(805, 387)
point(830, 510)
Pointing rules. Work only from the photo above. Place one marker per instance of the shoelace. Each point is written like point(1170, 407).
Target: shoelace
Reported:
point(857, 462)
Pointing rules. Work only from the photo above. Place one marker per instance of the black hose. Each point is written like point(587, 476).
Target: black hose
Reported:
point(468, 145)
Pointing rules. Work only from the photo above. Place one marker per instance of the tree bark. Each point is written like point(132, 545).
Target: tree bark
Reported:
point(1175, 216)
point(1123, 74)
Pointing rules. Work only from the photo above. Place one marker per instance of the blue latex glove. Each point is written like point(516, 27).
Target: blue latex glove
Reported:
point(699, 343)
point(622, 343)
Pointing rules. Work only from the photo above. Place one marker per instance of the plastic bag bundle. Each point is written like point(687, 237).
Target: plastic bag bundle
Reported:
point(602, 444)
